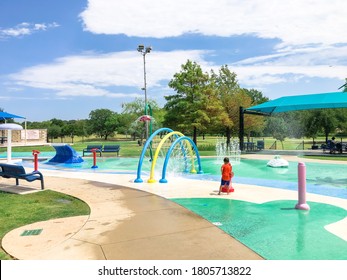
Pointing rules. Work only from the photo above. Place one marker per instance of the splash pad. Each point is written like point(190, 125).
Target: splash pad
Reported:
point(177, 142)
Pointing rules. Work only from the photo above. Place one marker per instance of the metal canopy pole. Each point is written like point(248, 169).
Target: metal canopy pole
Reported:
point(241, 127)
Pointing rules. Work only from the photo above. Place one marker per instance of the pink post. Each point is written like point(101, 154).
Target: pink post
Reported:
point(302, 205)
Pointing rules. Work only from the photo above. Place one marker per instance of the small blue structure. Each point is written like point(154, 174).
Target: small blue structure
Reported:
point(65, 154)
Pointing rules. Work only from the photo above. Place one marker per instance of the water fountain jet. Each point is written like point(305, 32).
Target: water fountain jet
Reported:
point(232, 151)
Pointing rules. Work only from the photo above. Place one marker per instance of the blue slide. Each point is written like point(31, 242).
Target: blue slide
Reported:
point(65, 154)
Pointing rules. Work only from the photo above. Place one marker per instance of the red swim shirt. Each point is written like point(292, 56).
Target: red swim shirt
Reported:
point(226, 171)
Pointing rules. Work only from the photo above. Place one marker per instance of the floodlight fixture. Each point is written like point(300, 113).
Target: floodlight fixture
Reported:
point(140, 48)
point(148, 49)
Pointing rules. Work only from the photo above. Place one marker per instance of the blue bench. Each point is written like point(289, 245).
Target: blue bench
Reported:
point(18, 172)
point(260, 145)
point(332, 147)
point(91, 147)
point(111, 149)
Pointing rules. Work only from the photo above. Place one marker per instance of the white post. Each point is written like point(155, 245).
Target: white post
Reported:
point(9, 146)
point(9, 127)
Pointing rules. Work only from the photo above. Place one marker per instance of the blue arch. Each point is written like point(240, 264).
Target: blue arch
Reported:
point(178, 140)
point(145, 147)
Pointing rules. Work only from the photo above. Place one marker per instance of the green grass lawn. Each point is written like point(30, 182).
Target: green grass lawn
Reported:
point(328, 157)
point(19, 210)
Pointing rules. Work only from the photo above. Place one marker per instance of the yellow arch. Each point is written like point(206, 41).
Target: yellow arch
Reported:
point(156, 154)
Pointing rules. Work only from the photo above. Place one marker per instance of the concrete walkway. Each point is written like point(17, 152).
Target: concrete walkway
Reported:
point(137, 221)
point(125, 224)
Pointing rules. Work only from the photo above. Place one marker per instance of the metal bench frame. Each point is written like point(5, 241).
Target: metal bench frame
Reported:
point(18, 172)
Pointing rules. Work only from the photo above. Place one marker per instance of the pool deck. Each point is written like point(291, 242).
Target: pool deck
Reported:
point(136, 221)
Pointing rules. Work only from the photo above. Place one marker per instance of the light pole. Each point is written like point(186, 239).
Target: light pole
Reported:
point(144, 50)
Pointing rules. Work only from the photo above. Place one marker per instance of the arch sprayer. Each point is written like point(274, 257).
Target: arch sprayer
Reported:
point(179, 138)
point(167, 157)
point(145, 147)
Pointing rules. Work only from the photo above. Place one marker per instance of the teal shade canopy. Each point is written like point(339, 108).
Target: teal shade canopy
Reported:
point(301, 102)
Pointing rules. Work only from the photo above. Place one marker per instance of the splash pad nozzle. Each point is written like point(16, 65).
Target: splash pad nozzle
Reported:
point(232, 151)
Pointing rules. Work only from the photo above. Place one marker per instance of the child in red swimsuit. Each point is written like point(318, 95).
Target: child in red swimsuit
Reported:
point(227, 174)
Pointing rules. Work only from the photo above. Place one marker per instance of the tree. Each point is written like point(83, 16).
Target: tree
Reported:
point(111, 125)
point(311, 124)
point(227, 86)
point(103, 122)
point(69, 129)
point(186, 109)
point(133, 110)
point(341, 115)
point(232, 97)
point(214, 110)
point(256, 96)
point(295, 123)
point(329, 120)
point(58, 123)
point(38, 125)
point(277, 126)
point(53, 131)
point(252, 123)
point(80, 128)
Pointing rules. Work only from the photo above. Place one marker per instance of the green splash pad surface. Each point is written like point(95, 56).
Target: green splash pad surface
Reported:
point(276, 230)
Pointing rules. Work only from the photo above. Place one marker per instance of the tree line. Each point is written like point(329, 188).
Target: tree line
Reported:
point(202, 103)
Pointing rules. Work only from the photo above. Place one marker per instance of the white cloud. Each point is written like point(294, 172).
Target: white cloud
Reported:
point(294, 22)
point(319, 55)
point(99, 74)
point(309, 31)
point(25, 28)
point(286, 66)
point(91, 91)
point(119, 75)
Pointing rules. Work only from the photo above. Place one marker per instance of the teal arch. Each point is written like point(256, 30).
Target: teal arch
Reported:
point(167, 157)
point(145, 147)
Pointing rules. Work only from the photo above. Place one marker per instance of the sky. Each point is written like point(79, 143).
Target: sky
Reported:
point(63, 59)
